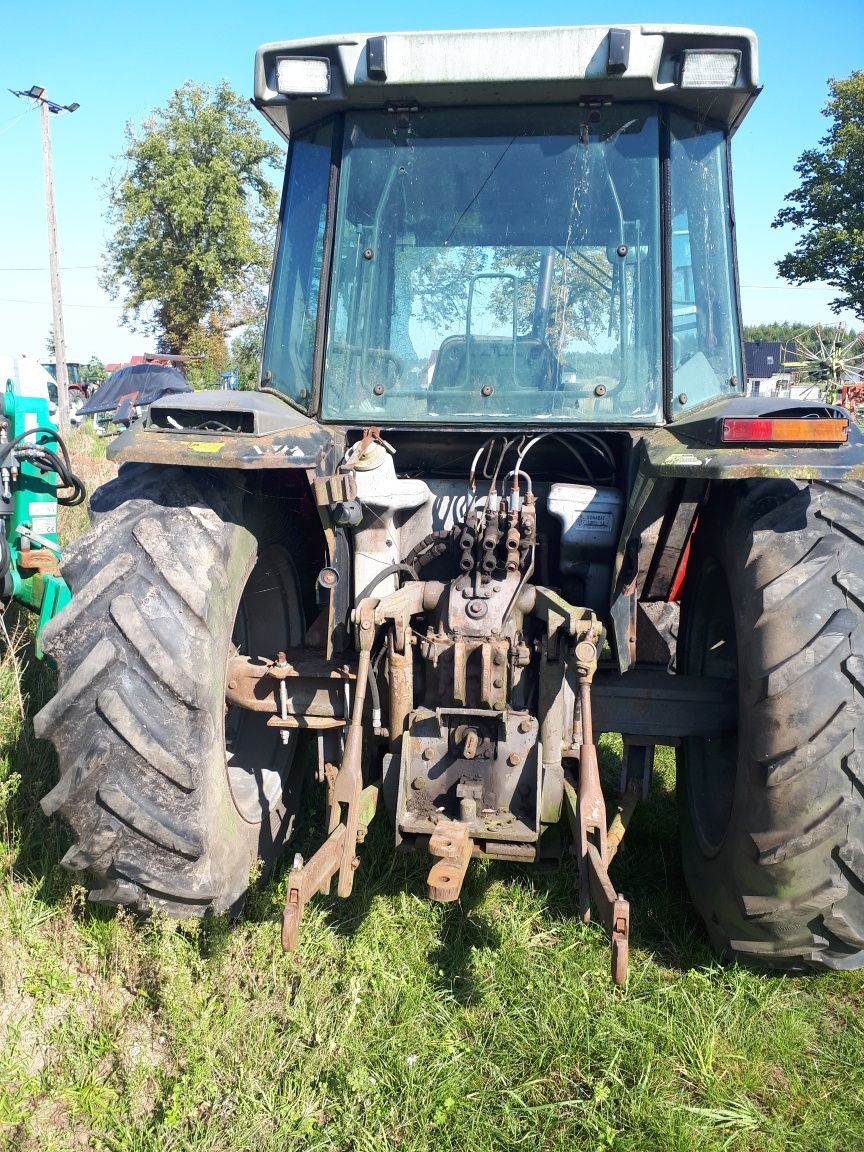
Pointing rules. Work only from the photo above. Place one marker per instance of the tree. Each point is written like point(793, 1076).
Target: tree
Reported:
point(828, 205)
point(193, 214)
point(94, 373)
point(246, 352)
point(786, 332)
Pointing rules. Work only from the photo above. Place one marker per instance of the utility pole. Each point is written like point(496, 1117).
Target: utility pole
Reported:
point(46, 108)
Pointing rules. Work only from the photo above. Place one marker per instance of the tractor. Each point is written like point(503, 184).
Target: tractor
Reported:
point(500, 490)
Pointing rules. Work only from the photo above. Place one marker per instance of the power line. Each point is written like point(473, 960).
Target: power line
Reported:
point(45, 304)
point(17, 119)
point(45, 268)
point(791, 287)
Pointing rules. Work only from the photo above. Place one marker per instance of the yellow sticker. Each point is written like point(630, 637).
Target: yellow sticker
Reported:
point(205, 445)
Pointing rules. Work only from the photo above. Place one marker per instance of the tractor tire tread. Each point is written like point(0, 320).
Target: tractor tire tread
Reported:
point(148, 798)
point(787, 887)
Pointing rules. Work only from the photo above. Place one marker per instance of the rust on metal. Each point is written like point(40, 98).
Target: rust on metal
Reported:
point(672, 452)
point(306, 721)
point(39, 560)
point(303, 685)
point(614, 913)
point(307, 878)
point(305, 446)
point(451, 844)
point(618, 827)
point(592, 806)
point(316, 874)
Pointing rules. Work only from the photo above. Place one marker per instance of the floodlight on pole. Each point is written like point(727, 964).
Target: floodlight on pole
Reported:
point(46, 106)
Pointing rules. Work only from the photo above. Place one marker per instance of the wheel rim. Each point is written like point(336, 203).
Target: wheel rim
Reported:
point(711, 764)
point(269, 618)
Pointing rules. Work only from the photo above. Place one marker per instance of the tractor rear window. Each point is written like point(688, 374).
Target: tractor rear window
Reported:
point(705, 345)
point(497, 265)
point(289, 343)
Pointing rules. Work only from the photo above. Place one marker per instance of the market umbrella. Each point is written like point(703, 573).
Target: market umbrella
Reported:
point(138, 386)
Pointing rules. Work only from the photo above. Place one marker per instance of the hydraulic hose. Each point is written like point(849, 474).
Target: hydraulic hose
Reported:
point(390, 570)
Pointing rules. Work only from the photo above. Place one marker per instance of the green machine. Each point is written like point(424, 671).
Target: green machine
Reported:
point(35, 476)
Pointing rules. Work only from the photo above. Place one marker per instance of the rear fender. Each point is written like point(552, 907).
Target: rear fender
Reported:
point(675, 466)
point(254, 431)
point(224, 429)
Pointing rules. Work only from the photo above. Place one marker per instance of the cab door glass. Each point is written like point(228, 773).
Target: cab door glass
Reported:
point(289, 343)
point(705, 335)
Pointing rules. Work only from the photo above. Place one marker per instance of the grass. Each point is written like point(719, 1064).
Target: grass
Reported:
point(489, 1024)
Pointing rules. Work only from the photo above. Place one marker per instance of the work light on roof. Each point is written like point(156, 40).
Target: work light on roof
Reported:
point(703, 69)
point(303, 76)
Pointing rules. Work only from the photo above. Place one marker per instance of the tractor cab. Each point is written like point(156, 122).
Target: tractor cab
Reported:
point(462, 243)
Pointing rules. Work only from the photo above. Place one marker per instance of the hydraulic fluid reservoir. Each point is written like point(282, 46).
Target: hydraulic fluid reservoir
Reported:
point(590, 526)
point(590, 522)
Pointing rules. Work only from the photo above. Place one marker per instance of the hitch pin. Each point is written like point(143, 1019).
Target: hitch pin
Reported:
point(28, 533)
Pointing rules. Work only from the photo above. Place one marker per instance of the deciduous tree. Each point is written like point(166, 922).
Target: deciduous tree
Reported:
point(827, 204)
point(193, 213)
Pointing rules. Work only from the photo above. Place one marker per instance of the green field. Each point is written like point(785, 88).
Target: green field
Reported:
point(489, 1024)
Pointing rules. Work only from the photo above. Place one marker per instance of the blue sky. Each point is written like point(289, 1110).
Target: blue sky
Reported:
point(119, 61)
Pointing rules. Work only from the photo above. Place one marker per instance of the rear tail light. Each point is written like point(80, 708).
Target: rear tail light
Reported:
point(760, 430)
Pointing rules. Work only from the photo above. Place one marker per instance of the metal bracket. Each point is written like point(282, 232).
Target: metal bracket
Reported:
point(613, 909)
point(614, 912)
point(451, 843)
point(637, 765)
point(586, 813)
point(316, 874)
point(337, 856)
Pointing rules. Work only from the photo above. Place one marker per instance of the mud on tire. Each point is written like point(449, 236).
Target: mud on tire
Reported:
point(772, 824)
point(164, 815)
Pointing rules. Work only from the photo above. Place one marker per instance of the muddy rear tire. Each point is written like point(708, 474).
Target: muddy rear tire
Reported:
point(165, 813)
point(772, 823)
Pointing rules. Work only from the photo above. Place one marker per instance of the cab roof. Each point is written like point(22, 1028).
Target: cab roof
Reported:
point(712, 71)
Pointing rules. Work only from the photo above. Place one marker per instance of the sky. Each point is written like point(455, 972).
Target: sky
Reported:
point(119, 61)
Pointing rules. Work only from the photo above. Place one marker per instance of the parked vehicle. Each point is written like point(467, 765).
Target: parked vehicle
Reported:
point(500, 435)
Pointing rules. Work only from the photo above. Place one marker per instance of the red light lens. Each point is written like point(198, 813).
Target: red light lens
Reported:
point(784, 431)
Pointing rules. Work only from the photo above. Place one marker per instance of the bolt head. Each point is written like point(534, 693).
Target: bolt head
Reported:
point(513, 759)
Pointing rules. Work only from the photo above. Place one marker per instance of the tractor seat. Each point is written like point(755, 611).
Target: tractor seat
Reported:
point(491, 361)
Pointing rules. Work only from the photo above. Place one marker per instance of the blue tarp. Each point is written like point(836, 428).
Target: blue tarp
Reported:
point(140, 384)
